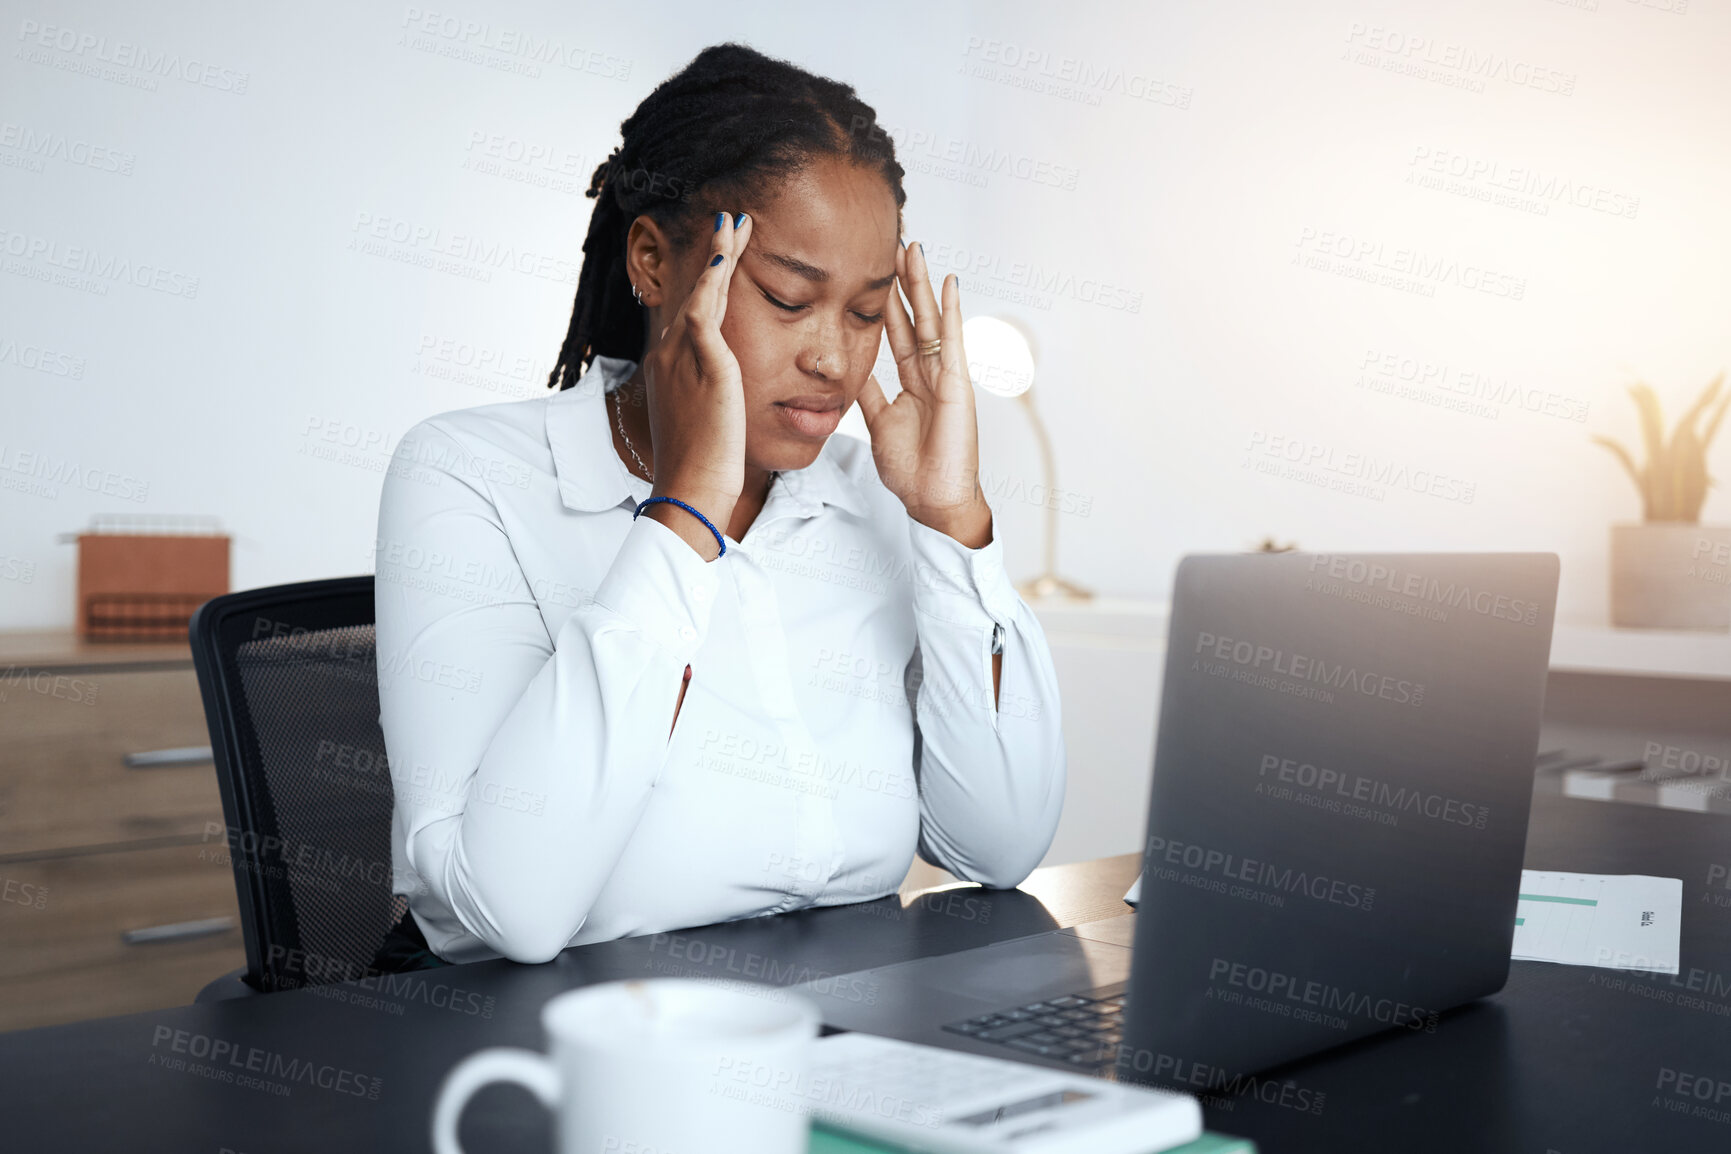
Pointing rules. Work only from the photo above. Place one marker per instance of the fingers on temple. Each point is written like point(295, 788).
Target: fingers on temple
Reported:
point(953, 355)
point(927, 321)
point(737, 231)
point(904, 348)
point(898, 325)
point(708, 302)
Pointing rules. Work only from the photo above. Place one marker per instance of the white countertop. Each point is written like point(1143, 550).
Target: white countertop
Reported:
point(1576, 646)
point(1598, 648)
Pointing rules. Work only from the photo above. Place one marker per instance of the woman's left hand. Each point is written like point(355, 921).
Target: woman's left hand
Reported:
point(926, 442)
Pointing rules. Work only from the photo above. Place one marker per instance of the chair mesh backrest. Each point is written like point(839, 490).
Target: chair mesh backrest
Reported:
point(316, 765)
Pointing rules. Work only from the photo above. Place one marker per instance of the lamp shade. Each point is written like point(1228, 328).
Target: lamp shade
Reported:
point(1000, 356)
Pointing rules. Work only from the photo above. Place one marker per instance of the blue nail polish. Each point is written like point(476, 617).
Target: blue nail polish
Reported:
point(719, 217)
point(718, 259)
point(738, 219)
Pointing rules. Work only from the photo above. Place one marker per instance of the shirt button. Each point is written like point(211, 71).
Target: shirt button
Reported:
point(686, 633)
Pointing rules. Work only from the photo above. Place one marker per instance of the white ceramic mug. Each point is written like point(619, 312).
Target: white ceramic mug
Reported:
point(660, 1066)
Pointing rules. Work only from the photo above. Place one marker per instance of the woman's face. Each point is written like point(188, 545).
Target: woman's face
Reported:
point(805, 308)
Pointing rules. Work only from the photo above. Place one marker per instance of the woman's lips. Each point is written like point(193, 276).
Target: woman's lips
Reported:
point(812, 416)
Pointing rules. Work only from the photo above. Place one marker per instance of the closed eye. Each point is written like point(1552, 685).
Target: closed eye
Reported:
point(783, 305)
point(872, 319)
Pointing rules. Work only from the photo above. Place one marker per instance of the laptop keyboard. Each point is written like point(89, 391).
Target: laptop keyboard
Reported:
point(1081, 1031)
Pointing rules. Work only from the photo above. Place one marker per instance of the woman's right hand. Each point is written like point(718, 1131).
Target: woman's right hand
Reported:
point(696, 399)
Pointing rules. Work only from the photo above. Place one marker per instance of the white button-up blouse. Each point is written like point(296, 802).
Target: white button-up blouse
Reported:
point(532, 638)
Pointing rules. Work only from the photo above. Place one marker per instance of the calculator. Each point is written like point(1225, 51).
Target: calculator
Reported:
point(922, 1098)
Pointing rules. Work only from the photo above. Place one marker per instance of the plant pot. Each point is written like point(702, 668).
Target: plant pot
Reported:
point(1669, 575)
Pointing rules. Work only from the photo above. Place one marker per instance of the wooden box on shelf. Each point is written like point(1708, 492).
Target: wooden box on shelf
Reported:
point(141, 583)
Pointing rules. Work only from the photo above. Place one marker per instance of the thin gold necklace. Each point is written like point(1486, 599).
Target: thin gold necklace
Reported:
point(619, 416)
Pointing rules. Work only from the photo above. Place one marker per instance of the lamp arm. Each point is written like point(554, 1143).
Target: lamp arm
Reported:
point(1049, 474)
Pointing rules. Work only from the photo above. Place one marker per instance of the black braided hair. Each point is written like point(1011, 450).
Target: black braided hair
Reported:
point(714, 133)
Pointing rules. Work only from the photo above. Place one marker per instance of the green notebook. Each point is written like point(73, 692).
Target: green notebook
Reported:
point(827, 1141)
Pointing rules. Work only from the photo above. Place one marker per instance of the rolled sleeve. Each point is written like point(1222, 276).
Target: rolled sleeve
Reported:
point(960, 585)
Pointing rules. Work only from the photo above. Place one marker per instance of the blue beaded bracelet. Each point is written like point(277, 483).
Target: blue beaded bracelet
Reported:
point(707, 524)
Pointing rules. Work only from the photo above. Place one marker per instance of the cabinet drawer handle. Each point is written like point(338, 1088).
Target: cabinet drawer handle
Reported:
point(167, 758)
point(178, 931)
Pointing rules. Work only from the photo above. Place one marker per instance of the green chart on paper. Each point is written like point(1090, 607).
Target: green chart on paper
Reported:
point(1555, 913)
point(1617, 921)
point(1560, 901)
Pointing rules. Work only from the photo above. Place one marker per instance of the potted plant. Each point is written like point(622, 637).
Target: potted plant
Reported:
point(1672, 572)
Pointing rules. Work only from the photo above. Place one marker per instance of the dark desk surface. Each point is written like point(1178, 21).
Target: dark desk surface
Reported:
point(1565, 1059)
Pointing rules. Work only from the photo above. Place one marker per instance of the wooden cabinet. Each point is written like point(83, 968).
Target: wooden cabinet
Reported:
point(92, 850)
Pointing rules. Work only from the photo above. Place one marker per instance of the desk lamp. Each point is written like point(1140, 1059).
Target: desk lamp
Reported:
point(1001, 362)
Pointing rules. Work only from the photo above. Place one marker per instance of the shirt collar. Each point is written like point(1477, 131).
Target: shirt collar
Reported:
point(592, 478)
point(823, 482)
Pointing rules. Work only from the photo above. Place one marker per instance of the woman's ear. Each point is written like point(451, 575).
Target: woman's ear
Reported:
point(649, 260)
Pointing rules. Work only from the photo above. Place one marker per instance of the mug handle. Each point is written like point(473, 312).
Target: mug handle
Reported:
point(498, 1064)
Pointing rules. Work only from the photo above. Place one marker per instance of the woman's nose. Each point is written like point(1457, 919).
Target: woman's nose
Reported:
point(826, 361)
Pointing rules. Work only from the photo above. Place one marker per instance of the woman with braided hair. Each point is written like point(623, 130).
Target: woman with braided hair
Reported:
point(658, 651)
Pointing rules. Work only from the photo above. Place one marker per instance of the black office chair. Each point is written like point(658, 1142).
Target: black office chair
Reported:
point(290, 686)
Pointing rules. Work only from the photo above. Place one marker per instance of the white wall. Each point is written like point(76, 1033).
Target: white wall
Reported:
point(1199, 208)
point(1202, 141)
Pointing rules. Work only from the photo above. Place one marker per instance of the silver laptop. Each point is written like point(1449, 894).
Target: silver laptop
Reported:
point(1335, 832)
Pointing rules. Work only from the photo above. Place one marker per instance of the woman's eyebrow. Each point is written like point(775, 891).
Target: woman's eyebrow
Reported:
point(811, 272)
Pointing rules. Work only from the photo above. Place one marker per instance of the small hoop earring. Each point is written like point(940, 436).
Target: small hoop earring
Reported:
point(637, 296)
